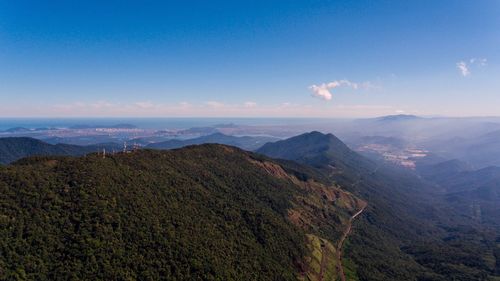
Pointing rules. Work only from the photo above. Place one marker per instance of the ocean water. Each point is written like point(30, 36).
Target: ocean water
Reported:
point(152, 123)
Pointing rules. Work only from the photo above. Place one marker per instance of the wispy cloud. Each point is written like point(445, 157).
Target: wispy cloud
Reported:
point(215, 104)
point(144, 104)
point(464, 69)
point(250, 104)
point(105, 108)
point(465, 66)
point(480, 61)
point(324, 90)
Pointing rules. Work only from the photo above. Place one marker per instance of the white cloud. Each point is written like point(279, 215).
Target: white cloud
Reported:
point(214, 104)
point(323, 91)
point(250, 104)
point(103, 104)
point(465, 68)
point(479, 61)
point(144, 104)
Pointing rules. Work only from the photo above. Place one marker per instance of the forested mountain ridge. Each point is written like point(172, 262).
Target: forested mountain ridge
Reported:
point(177, 214)
point(406, 232)
point(244, 142)
point(474, 193)
point(14, 148)
point(208, 212)
point(318, 150)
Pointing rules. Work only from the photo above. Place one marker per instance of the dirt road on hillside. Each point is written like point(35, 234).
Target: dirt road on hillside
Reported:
point(341, 243)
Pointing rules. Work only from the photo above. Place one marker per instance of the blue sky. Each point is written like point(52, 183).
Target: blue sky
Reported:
point(249, 58)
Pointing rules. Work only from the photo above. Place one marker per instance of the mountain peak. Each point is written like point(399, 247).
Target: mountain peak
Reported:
point(314, 148)
point(316, 135)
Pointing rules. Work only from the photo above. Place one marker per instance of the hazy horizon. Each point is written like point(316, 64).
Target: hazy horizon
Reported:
point(249, 59)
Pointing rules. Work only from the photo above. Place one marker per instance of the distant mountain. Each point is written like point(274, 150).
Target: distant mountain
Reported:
point(400, 117)
point(14, 148)
point(483, 151)
point(17, 130)
point(480, 151)
point(199, 131)
point(245, 142)
point(443, 171)
point(475, 193)
point(318, 150)
point(411, 224)
point(473, 180)
point(208, 212)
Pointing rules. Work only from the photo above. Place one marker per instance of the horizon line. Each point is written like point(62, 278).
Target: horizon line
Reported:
point(243, 117)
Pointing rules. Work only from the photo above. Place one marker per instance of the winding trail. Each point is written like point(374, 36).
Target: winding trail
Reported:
point(349, 228)
point(341, 243)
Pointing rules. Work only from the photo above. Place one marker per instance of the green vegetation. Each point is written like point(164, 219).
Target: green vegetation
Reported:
point(15, 148)
point(321, 264)
point(208, 212)
point(406, 232)
point(214, 212)
point(244, 142)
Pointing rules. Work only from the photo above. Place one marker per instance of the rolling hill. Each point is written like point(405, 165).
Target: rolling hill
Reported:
point(14, 148)
point(245, 142)
point(474, 193)
point(208, 212)
point(317, 150)
point(407, 232)
point(481, 151)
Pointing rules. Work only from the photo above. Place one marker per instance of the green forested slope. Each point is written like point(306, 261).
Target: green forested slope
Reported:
point(244, 142)
point(14, 148)
point(209, 212)
point(406, 232)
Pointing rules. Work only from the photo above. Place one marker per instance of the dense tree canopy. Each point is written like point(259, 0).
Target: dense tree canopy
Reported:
point(201, 213)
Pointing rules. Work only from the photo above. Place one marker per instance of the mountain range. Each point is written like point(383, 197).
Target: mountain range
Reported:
point(244, 142)
point(474, 193)
point(304, 208)
point(208, 212)
point(417, 231)
point(15, 148)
